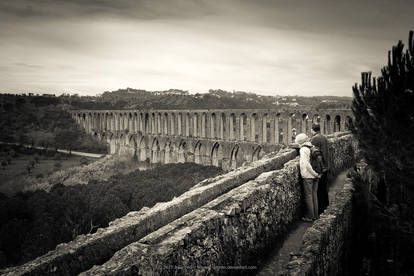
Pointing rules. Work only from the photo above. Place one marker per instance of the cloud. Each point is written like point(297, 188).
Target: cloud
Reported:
point(308, 47)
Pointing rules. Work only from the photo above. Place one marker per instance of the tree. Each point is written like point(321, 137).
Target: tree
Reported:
point(384, 128)
point(67, 138)
point(384, 118)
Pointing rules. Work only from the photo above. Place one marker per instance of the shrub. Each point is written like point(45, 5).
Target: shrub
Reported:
point(39, 175)
point(38, 221)
point(57, 165)
point(84, 161)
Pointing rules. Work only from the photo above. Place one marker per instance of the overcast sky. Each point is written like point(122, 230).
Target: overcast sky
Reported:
point(286, 47)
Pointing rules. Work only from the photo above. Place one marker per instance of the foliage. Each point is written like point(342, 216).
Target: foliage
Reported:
point(43, 122)
point(384, 116)
point(178, 99)
point(384, 127)
point(33, 223)
point(381, 243)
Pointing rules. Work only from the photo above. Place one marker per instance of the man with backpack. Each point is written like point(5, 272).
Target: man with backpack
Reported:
point(321, 142)
point(309, 175)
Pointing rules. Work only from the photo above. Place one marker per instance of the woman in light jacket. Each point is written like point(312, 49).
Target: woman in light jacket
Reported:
point(310, 177)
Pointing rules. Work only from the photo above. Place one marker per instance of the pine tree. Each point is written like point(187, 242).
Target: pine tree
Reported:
point(384, 119)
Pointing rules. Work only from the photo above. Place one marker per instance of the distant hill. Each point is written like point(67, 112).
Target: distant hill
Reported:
point(215, 99)
point(43, 121)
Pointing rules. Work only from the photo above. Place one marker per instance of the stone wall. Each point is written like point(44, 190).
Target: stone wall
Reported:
point(226, 221)
point(327, 242)
point(87, 250)
point(233, 229)
point(326, 248)
point(229, 234)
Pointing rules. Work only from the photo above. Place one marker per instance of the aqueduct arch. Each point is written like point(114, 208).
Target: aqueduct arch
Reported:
point(227, 137)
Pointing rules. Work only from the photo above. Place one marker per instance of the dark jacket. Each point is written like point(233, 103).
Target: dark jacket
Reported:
point(321, 142)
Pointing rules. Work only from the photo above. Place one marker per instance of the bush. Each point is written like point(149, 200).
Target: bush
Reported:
point(57, 165)
point(39, 175)
point(84, 161)
point(37, 221)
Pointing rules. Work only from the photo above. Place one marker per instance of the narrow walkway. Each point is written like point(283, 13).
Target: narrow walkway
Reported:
point(278, 258)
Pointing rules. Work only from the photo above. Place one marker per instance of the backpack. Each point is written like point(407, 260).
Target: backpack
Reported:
point(316, 160)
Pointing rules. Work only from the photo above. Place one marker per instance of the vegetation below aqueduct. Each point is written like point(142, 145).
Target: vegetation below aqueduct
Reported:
point(43, 121)
point(33, 223)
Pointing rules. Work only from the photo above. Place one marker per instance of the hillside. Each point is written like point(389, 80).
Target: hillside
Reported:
point(42, 121)
point(215, 99)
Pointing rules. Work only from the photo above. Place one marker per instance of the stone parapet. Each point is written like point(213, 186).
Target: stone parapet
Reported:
point(327, 241)
point(231, 231)
point(87, 250)
point(226, 221)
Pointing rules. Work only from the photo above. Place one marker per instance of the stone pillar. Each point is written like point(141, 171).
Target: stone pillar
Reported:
point(96, 122)
point(303, 126)
point(343, 122)
point(136, 122)
point(241, 127)
point(285, 126)
point(230, 127)
point(154, 124)
point(195, 124)
point(158, 119)
point(252, 128)
point(126, 121)
point(120, 122)
point(238, 129)
point(109, 122)
point(139, 122)
point(87, 123)
point(131, 125)
point(172, 123)
point(116, 120)
point(199, 126)
point(331, 125)
point(204, 126)
point(277, 130)
point(272, 131)
point(166, 123)
point(220, 125)
point(263, 127)
point(179, 121)
point(187, 125)
point(103, 121)
point(322, 125)
point(289, 130)
point(212, 123)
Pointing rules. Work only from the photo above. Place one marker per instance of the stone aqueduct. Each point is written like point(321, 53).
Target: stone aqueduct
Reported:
point(225, 138)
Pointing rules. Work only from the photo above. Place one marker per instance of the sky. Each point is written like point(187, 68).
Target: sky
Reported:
point(270, 47)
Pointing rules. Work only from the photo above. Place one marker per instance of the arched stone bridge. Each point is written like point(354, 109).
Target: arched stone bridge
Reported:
point(224, 137)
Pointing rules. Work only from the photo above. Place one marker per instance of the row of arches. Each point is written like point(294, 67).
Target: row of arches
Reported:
point(151, 149)
point(259, 126)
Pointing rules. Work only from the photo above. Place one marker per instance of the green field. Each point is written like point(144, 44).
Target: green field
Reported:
point(14, 176)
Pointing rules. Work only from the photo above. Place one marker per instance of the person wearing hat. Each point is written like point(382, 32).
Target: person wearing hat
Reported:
point(321, 142)
point(310, 177)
